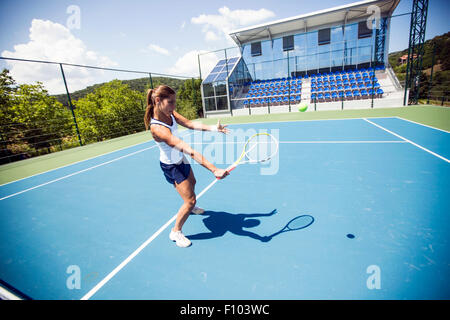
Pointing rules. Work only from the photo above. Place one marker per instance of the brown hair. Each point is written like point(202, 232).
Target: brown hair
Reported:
point(163, 92)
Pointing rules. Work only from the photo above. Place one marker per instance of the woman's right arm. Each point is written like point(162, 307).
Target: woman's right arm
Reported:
point(163, 134)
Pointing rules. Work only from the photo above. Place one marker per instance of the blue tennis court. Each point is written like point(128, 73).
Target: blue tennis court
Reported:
point(374, 193)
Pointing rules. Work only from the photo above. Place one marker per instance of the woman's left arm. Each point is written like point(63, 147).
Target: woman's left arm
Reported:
point(198, 125)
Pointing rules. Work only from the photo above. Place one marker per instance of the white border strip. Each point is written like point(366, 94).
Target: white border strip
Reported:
point(7, 295)
point(77, 172)
point(76, 162)
point(413, 143)
point(425, 125)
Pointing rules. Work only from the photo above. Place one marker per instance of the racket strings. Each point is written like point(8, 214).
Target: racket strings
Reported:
point(261, 147)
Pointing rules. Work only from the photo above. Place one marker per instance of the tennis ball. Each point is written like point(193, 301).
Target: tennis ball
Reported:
point(302, 107)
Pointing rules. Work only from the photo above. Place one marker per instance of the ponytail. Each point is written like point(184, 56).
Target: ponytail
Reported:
point(149, 111)
point(163, 92)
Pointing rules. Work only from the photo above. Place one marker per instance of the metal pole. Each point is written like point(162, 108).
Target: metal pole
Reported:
point(373, 75)
point(289, 81)
point(71, 106)
point(199, 66)
point(151, 80)
point(431, 74)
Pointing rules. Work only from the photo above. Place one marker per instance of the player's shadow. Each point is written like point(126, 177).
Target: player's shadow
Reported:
point(219, 223)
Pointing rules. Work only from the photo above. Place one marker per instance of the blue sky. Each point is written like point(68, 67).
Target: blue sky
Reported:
point(157, 36)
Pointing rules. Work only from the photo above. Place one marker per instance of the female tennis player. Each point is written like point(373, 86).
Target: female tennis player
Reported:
point(162, 120)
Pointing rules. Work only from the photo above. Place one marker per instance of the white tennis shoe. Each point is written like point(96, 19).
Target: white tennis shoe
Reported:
point(198, 210)
point(179, 238)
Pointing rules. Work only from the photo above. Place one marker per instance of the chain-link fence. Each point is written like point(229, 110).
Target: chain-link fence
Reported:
point(74, 105)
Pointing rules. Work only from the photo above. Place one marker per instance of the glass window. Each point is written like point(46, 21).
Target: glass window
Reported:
point(288, 43)
point(222, 103)
point(210, 104)
point(363, 30)
point(256, 49)
point(208, 90)
point(324, 36)
point(221, 88)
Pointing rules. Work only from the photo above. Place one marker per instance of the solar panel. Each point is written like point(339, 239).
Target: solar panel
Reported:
point(217, 69)
point(219, 72)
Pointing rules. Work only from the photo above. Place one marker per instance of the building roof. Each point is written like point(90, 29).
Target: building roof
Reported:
point(353, 12)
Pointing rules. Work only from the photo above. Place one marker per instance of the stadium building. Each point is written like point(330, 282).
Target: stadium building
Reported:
point(329, 59)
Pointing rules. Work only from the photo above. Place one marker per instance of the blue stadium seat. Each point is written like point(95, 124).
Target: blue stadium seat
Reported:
point(364, 94)
point(356, 94)
point(380, 92)
point(320, 97)
point(348, 95)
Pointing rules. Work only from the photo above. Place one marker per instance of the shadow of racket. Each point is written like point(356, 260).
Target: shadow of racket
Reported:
point(298, 223)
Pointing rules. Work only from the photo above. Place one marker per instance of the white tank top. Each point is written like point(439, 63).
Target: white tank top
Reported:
point(167, 154)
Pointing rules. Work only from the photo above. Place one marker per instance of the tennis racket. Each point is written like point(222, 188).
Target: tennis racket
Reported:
point(297, 223)
point(260, 147)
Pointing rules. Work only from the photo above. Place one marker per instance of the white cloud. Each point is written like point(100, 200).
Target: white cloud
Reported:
point(157, 49)
point(54, 42)
point(228, 20)
point(211, 36)
point(188, 64)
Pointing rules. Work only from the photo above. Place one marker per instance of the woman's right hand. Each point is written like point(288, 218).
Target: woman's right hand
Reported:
point(220, 173)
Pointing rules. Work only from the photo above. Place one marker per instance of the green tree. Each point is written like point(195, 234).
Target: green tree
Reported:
point(189, 97)
point(112, 110)
point(32, 121)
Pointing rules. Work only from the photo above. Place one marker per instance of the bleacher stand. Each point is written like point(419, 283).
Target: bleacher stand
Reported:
point(325, 87)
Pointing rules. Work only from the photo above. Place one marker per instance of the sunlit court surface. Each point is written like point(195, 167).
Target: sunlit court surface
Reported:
point(318, 134)
point(369, 194)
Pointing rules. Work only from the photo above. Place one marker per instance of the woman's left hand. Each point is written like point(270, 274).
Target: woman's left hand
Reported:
point(222, 128)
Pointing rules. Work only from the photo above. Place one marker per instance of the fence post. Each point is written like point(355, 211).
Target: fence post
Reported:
point(431, 74)
point(71, 106)
point(151, 80)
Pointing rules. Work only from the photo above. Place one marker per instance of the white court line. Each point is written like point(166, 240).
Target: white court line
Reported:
point(343, 142)
point(413, 143)
point(76, 162)
point(425, 125)
point(75, 173)
point(307, 142)
point(127, 260)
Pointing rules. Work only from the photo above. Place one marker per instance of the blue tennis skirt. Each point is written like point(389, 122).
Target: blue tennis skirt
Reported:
point(176, 172)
